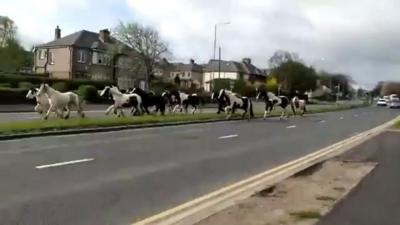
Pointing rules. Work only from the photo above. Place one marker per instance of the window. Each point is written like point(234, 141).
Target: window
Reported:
point(42, 54)
point(81, 56)
point(100, 59)
point(51, 58)
point(95, 57)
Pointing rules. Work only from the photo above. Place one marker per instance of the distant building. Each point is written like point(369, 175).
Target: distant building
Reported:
point(232, 70)
point(84, 55)
point(190, 74)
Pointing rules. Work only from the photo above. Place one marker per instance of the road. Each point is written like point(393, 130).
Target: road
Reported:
point(121, 177)
point(376, 199)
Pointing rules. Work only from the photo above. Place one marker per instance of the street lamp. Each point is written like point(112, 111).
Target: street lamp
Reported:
point(215, 34)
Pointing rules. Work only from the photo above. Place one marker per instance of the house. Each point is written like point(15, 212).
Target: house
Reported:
point(85, 55)
point(233, 70)
point(189, 74)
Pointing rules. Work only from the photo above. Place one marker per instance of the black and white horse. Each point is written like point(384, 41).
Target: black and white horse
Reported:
point(149, 100)
point(235, 102)
point(271, 100)
point(134, 101)
point(222, 103)
point(181, 100)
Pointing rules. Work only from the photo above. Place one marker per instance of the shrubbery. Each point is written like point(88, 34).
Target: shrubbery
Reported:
point(25, 85)
point(89, 93)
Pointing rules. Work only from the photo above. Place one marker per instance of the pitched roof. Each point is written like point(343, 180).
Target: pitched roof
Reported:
point(194, 67)
point(233, 66)
point(82, 39)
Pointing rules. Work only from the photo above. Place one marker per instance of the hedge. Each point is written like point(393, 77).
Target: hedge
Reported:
point(14, 95)
point(25, 85)
point(89, 93)
point(14, 80)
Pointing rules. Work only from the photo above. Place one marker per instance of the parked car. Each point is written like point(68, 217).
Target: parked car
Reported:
point(381, 102)
point(395, 103)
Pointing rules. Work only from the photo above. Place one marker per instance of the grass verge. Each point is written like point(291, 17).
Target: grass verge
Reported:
point(306, 214)
point(77, 123)
point(397, 125)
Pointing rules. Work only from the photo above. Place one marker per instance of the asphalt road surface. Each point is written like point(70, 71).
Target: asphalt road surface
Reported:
point(376, 200)
point(121, 177)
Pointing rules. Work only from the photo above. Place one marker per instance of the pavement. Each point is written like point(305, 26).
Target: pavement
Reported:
point(124, 176)
point(376, 200)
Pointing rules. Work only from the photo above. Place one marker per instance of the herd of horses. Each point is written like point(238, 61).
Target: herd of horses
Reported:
point(49, 100)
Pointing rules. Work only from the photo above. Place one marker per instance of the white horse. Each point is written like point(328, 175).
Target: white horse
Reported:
point(59, 101)
point(122, 100)
point(298, 104)
point(235, 102)
point(42, 102)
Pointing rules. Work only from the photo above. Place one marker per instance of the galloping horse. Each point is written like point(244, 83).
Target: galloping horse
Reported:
point(150, 99)
point(298, 104)
point(235, 102)
point(222, 103)
point(59, 101)
point(271, 100)
point(42, 101)
point(181, 100)
point(122, 100)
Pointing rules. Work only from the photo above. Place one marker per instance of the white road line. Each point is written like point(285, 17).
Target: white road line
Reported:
point(341, 118)
point(64, 163)
point(355, 115)
point(292, 126)
point(229, 136)
point(322, 121)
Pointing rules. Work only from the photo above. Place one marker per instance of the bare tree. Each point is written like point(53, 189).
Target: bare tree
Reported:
point(281, 56)
point(8, 30)
point(146, 44)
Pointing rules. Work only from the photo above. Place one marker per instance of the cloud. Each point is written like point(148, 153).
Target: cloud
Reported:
point(352, 37)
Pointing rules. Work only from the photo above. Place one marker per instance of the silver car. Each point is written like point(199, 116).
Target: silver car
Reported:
point(394, 103)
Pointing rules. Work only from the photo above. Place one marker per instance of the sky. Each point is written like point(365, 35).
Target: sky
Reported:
point(359, 38)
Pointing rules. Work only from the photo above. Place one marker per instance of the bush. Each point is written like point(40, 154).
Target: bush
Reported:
point(25, 85)
point(5, 85)
point(89, 93)
point(60, 86)
point(219, 84)
point(13, 95)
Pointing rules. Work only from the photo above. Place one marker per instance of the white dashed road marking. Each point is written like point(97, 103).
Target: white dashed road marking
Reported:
point(341, 118)
point(64, 163)
point(229, 136)
point(292, 126)
point(355, 115)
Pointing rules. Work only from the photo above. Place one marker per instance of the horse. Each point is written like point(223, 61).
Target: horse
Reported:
point(150, 99)
point(121, 101)
point(222, 103)
point(42, 102)
point(298, 104)
point(60, 101)
point(236, 102)
point(181, 100)
point(271, 100)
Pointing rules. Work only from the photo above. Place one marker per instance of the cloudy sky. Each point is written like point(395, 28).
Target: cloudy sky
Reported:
point(360, 38)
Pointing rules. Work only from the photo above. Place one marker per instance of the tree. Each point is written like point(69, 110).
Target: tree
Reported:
point(146, 44)
point(295, 77)
point(271, 84)
point(13, 57)
point(8, 30)
point(282, 56)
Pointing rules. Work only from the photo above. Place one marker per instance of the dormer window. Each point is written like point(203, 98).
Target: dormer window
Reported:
point(81, 56)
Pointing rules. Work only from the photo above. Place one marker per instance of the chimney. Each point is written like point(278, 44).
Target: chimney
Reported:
point(246, 60)
point(192, 61)
point(57, 33)
point(104, 35)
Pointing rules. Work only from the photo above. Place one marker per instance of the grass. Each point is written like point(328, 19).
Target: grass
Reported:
point(397, 125)
point(59, 124)
point(326, 198)
point(306, 214)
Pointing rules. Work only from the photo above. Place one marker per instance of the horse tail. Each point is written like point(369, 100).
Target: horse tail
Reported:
point(251, 109)
point(293, 108)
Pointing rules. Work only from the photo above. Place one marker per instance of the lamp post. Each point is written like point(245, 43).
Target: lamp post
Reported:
point(215, 35)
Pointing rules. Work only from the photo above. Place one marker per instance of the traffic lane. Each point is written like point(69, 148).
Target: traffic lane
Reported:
point(197, 144)
point(276, 155)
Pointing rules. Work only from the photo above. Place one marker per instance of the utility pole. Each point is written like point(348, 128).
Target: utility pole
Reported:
point(219, 63)
point(215, 36)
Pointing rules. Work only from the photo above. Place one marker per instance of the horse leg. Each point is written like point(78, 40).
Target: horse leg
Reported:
point(121, 112)
point(68, 112)
point(111, 107)
point(194, 109)
point(51, 108)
